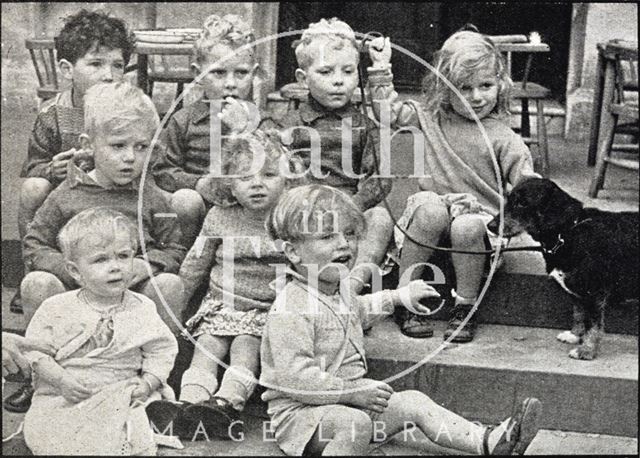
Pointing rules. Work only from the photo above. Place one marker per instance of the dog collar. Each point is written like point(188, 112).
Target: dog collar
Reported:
point(560, 242)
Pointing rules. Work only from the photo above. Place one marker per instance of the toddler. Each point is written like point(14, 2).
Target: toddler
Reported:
point(328, 57)
point(235, 251)
point(461, 194)
point(313, 356)
point(232, 77)
point(111, 349)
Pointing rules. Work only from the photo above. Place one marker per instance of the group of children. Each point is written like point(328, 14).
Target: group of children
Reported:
point(113, 260)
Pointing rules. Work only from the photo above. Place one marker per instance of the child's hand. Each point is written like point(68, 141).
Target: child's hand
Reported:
point(72, 390)
point(142, 391)
point(372, 394)
point(380, 52)
point(205, 186)
point(235, 114)
point(416, 290)
point(59, 163)
point(140, 271)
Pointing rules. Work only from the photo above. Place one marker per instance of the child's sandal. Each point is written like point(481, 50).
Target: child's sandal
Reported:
point(521, 430)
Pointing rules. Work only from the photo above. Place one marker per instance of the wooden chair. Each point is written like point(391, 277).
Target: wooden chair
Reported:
point(620, 78)
point(42, 51)
point(169, 69)
point(525, 91)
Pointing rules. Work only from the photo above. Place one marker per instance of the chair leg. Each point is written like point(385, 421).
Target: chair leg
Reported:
point(607, 128)
point(525, 123)
point(595, 111)
point(543, 144)
point(178, 92)
point(605, 131)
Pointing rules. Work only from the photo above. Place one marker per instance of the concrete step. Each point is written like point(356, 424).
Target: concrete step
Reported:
point(486, 378)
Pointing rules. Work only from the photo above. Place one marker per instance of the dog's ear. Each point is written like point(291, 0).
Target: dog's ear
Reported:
point(560, 209)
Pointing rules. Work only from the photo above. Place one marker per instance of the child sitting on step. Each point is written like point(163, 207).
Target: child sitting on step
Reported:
point(313, 357)
point(472, 157)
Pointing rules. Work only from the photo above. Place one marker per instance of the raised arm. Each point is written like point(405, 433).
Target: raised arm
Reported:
point(381, 90)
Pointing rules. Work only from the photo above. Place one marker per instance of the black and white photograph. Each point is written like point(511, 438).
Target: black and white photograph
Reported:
point(320, 228)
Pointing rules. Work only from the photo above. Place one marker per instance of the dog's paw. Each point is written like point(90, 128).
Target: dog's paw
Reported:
point(583, 352)
point(568, 337)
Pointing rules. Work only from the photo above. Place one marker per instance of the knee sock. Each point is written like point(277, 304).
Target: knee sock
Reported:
point(463, 300)
point(237, 385)
point(197, 385)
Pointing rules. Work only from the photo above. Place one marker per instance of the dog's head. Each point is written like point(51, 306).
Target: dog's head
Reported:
point(537, 206)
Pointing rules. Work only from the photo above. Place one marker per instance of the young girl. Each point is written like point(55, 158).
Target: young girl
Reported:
point(462, 192)
point(235, 250)
point(313, 357)
point(111, 349)
point(232, 78)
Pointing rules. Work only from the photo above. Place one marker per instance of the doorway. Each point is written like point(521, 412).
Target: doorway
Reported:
point(422, 28)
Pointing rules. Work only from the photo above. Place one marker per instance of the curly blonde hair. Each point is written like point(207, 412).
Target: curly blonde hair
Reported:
point(230, 30)
point(302, 211)
point(333, 32)
point(463, 54)
point(239, 150)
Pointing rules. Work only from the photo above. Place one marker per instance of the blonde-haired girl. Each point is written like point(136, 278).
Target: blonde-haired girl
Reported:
point(472, 157)
point(235, 251)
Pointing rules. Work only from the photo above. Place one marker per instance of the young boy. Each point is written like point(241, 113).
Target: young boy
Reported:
point(328, 57)
point(91, 48)
point(110, 347)
point(313, 357)
point(231, 78)
point(120, 121)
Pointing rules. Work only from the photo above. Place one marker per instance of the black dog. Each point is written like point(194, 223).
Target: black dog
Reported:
point(593, 254)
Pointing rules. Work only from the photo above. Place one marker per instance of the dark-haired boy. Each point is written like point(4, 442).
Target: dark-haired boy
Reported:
point(92, 47)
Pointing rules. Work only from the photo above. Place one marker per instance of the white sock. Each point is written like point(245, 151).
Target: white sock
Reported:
point(496, 434)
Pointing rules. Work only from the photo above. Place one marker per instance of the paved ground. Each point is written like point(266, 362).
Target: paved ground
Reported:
point(256, 443)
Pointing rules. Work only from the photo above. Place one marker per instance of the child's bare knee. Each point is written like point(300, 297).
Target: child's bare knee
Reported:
point(41, 284)
point(357, 423)
point(188, 203)
point(379, 219)
point(432, 215)
point(34, 191)
point(467, 229)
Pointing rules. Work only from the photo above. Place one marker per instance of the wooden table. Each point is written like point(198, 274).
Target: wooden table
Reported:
point(144, 49)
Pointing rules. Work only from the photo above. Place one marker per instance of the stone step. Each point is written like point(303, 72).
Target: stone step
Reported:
point(484, 379)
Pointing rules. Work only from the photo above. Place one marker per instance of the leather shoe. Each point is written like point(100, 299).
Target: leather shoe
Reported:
point(218, 418)
point(20, 401)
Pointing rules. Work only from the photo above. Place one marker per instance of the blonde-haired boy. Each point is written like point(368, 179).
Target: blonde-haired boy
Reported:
point(231, 80)
point(120, 122)
point(328, 57)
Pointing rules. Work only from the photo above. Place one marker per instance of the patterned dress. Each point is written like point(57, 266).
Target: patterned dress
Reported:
point(234, 249)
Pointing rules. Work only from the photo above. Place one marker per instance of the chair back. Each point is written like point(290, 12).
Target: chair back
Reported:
point(625, 54)
point(42, 51)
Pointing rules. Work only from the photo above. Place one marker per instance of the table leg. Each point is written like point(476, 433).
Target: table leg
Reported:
point(595, 111)
point(143, 78)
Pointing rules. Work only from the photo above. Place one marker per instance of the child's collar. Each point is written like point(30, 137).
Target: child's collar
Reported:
point(312, 110)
